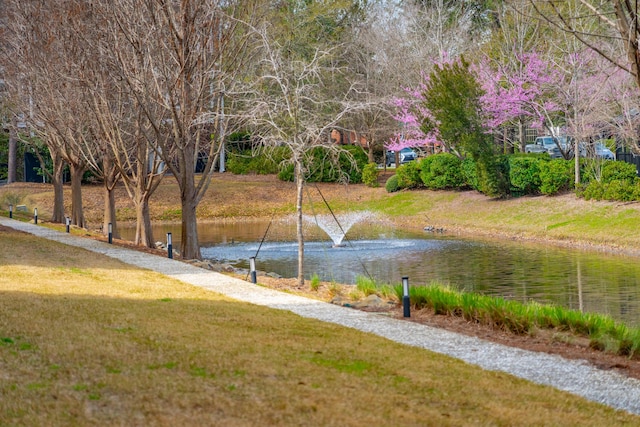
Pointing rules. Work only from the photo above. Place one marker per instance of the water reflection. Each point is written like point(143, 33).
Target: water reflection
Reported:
point(576, 279)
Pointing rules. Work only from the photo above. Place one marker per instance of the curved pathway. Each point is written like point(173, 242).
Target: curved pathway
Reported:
point(577, 377)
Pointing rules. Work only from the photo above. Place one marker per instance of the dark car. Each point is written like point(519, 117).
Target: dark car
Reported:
point(406, 155)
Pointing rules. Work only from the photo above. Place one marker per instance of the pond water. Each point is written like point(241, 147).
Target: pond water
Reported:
point(577, 279)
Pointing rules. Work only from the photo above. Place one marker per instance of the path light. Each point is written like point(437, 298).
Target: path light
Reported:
point(110, 233)
point(406, 301)
point(252, 268)
point(35, 215)
point(10, 211)
point(169, 246)
point(68, 222)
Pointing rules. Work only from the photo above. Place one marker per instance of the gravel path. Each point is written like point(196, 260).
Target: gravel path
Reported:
point(577, 377)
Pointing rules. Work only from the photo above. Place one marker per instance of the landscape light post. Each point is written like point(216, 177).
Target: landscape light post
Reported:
point(68, 222)
point(10, 211)
point(169, 246)
point(110, 233)
point(252, 268)
point(406, 301)
point(35, 215)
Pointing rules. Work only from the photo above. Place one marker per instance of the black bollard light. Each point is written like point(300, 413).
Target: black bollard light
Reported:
point(169, 246)
point(406, 301)
point(10, 211)
point(110, 233)
point(35, 215)
point(252, 268)
point(68, 222)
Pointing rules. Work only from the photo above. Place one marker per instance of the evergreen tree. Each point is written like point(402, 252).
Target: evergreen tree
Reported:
point(452, 99)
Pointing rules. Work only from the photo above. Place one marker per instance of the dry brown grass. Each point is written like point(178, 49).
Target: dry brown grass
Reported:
point(86, 340)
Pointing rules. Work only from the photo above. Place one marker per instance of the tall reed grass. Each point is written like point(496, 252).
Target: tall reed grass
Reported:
point(604, 333)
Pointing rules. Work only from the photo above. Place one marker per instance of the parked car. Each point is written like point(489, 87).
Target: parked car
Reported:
point(545, 144)
point(596, 150)
point(603, 152)
point(406, 155)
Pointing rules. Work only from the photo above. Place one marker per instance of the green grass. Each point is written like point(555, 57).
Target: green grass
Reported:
point(605, 334)
point(315, 282)
point(367, 286)
point(126, 346)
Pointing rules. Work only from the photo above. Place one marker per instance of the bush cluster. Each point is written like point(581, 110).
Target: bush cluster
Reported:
point(526, 174)
point(320, 164)
point(618, 182)
point(264, 162)
point(392, 184)
point(370, 175)
point(442, 171)
point(322, 167)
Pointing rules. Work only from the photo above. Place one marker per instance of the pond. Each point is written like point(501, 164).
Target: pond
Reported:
point(577, 279)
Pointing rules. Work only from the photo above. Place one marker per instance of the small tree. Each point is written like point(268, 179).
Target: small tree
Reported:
point(289, 106)
point(452, 98)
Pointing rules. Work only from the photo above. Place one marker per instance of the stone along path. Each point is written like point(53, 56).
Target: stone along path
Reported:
point(577, 377)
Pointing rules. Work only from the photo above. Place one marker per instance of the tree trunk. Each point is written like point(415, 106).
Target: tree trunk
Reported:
point(299, 234)
point(189, 247)
point(144, 233)
point(77, 213)
point(576, 159)
point(523, 141)
point(110, 177)
point(13, 157)
point(58, 189)
point(109, 216)
point(370, 151)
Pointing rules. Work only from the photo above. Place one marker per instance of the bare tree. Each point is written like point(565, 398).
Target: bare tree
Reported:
point(180, 56)
point(288, 105)
point(124, 131)
point(45, 62)
point(609, 28)
point(373, 54)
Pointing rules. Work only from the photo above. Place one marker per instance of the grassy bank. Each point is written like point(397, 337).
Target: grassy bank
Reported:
point(88, 340)
point(564, 219)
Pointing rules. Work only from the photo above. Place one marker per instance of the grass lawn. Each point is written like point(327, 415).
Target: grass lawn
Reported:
point(86, 340)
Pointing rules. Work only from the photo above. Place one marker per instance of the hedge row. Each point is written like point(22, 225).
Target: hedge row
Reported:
point(527, 175)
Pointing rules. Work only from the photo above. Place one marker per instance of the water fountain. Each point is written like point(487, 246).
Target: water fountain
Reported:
point(336, 227)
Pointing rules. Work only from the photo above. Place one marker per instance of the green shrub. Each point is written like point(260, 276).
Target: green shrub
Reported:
point(524, 174)
point(409, 175)
point(322, 166)
point(618, 171)
point(620, 190)
point(442, 171)
point(263, 162)
point(555, 176)
point(392, 184)
point(493, 175)
point(470, 173)
point(593, 191)
point(370, 175)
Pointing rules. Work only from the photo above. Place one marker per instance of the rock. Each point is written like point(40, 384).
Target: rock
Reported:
point(339, 300)
point(370, 302)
